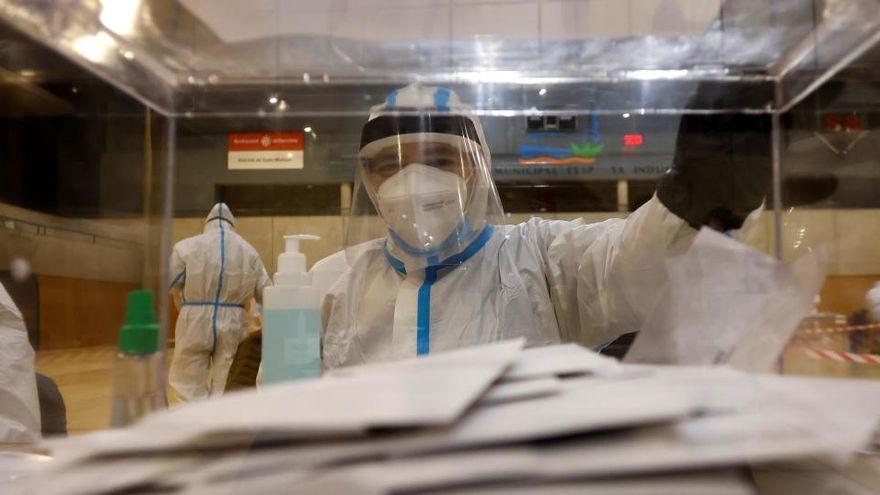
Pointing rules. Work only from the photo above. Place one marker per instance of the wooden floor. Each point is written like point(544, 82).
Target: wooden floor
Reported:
point(796, 362)
point(83, 376)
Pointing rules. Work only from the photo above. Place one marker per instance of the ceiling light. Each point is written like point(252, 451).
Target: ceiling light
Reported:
point(94, 47)
point(120, 16)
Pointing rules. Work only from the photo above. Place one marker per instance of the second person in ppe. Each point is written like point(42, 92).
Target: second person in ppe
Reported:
point(215, 274)
point(431, 264)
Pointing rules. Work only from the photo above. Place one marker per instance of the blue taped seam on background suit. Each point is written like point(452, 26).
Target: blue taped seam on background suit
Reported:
point(219, 283)
point(391, 101)
point(441, 99)
point(211, 303)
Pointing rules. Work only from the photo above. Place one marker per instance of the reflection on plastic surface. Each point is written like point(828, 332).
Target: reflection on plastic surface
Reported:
point(172, 52)
point(120, 16)
point(742, 312)
point(315, 60)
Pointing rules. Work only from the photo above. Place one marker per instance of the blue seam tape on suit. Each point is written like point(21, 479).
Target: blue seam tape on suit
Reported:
point(423, 317)
point(423, 312)
point(441, 99)
point(219, 283)
point(212, 303)
point(461, 257)
point(472, 249)
point(394, 262)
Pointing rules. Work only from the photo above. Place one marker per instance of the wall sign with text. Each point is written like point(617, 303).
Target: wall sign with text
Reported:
point(265, 150)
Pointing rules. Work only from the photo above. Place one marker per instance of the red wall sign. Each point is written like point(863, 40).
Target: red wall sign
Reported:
point(265, 150)
point(633, 140)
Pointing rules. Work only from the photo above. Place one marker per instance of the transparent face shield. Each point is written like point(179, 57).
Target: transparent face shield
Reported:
point(423, 186)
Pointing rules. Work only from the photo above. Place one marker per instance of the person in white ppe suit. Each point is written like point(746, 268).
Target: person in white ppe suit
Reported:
point(19, 404)
point(430, 264)
point(214, 275)
point(872, 301)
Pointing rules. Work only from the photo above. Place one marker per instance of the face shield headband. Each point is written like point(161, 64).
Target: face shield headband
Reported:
point(392, 125)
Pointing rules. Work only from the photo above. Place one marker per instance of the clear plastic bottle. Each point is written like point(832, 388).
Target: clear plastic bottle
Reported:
point(137, 370)
point(291, 320)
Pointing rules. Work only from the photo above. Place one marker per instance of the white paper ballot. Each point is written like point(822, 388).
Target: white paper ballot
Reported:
point(434, 390)
point(583, 406)
point(729, 482)
point(485, 473)
point(722, 440)
point(559, 360)
point(506, 353)
point(727, 303)
point(639, 421)
point(521, 390)
point(746, 418)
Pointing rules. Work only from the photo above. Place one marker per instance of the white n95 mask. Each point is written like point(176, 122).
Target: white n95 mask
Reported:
point(422, 206)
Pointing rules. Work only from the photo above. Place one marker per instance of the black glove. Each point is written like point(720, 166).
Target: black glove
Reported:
point(722, 168)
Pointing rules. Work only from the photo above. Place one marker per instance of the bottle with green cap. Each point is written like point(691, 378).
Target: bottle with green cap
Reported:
point(137, 371)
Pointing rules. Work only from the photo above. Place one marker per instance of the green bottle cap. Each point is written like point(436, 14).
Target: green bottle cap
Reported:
point(140, 333)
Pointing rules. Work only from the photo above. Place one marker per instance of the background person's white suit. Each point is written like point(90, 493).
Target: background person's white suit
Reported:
point(214, 274)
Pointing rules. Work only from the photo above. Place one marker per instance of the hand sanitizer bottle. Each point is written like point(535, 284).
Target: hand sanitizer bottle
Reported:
point(138, 367)
point(291, 320)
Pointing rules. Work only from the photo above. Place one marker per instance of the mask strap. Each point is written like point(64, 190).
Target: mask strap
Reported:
point(454, 260)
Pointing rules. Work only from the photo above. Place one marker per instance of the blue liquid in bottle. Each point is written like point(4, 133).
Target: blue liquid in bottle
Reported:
point(291, 345)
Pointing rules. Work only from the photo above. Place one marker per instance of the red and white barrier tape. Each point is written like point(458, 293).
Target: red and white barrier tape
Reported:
point(843, 357)
point(840, 329)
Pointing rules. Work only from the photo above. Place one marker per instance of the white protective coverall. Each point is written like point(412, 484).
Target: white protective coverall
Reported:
point(872, 301)
point(548, 281)
point(19, 403)
point(215, 273)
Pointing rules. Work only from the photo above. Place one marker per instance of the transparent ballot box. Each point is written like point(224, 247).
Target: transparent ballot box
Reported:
point(124, 123)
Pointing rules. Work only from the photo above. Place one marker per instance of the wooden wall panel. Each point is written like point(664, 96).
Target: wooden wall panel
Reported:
point(83, 313)
point(80, 313)
point(845, 294)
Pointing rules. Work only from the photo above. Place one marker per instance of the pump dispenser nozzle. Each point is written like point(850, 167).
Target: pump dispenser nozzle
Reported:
point(291, 242)
point(292, 263)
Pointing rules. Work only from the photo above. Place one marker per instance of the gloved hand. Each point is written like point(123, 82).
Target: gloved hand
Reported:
point(722, 168)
